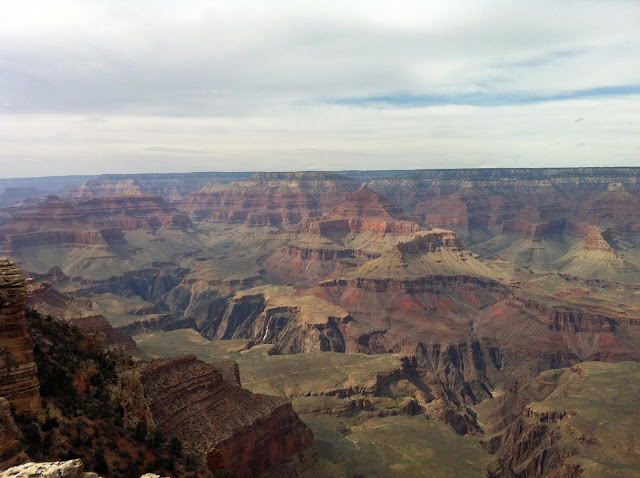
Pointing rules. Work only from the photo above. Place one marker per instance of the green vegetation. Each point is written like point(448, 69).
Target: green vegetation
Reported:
point(395, 447)
point(81, 420)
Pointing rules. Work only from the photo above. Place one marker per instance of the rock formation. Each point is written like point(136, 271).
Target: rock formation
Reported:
point(18, 371)
point(268, 199)
point(364, 210)
point(11, 449)
point(97, 220)
point(116, 341)
point(57, 469)
point(240, 431)
point(578, 421)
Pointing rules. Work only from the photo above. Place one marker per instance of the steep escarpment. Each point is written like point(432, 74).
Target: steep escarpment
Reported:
point(250, 434)
point(364, 210)
point(476, 203)
point(101, 187)
point(18, 371)
point(579, 421)
point(421, 298)
point(95, 220)
point(268, 199)
point(582, 332)
point(82, 415)
point(266, 315)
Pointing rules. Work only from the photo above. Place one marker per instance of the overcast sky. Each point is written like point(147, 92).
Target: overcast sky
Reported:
point(107, 86)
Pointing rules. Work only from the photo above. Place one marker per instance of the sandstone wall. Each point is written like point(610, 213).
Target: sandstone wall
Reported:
point(18, 371)
point(248, 433)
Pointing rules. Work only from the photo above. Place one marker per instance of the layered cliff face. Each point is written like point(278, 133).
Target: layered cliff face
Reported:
point(579, 421)
point(475, 203)
point(364, 210)
point(18, 371)
point(344, 270)
point(274, 199)
point(101, 187)
point(97, 220)
point(250, 434)
point(420, 298)
point(11, 449)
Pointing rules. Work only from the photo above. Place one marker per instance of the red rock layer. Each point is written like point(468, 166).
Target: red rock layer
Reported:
point(481, 200)
point(97, 220)
point(18, 372)
point(447, 212)
point(364, 210)
point(248, 433)
point(268, 199)
point(593, 238)
point(431, 242)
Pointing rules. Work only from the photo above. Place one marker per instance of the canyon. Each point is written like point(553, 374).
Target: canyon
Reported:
point(476, 285)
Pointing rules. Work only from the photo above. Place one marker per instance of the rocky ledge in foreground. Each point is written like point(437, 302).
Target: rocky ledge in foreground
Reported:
point(252, 434)
point(55, 469)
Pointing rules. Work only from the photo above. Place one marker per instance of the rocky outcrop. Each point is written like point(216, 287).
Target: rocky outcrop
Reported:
point(563, 421)
point(594, 238)
point(364, 210)
point(56, 469)
point(116, 341)
point(44, 298)
point(18, 371)
point(11, 448)
point(248, 433)
point(431, 241)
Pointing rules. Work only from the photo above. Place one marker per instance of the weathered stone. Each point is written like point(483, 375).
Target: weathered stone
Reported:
point(11, 451)
point(18, 372)
point(238, 430)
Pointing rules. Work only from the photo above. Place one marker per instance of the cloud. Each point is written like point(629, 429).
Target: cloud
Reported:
point(334, 136)
point(162, 149)
point(211, 58)
point(246, 68)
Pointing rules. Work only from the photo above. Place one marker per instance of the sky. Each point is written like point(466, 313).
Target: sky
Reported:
point(115, 86)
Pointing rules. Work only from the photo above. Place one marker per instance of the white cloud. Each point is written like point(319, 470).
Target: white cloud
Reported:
point(330, 137)
point(251, 79)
